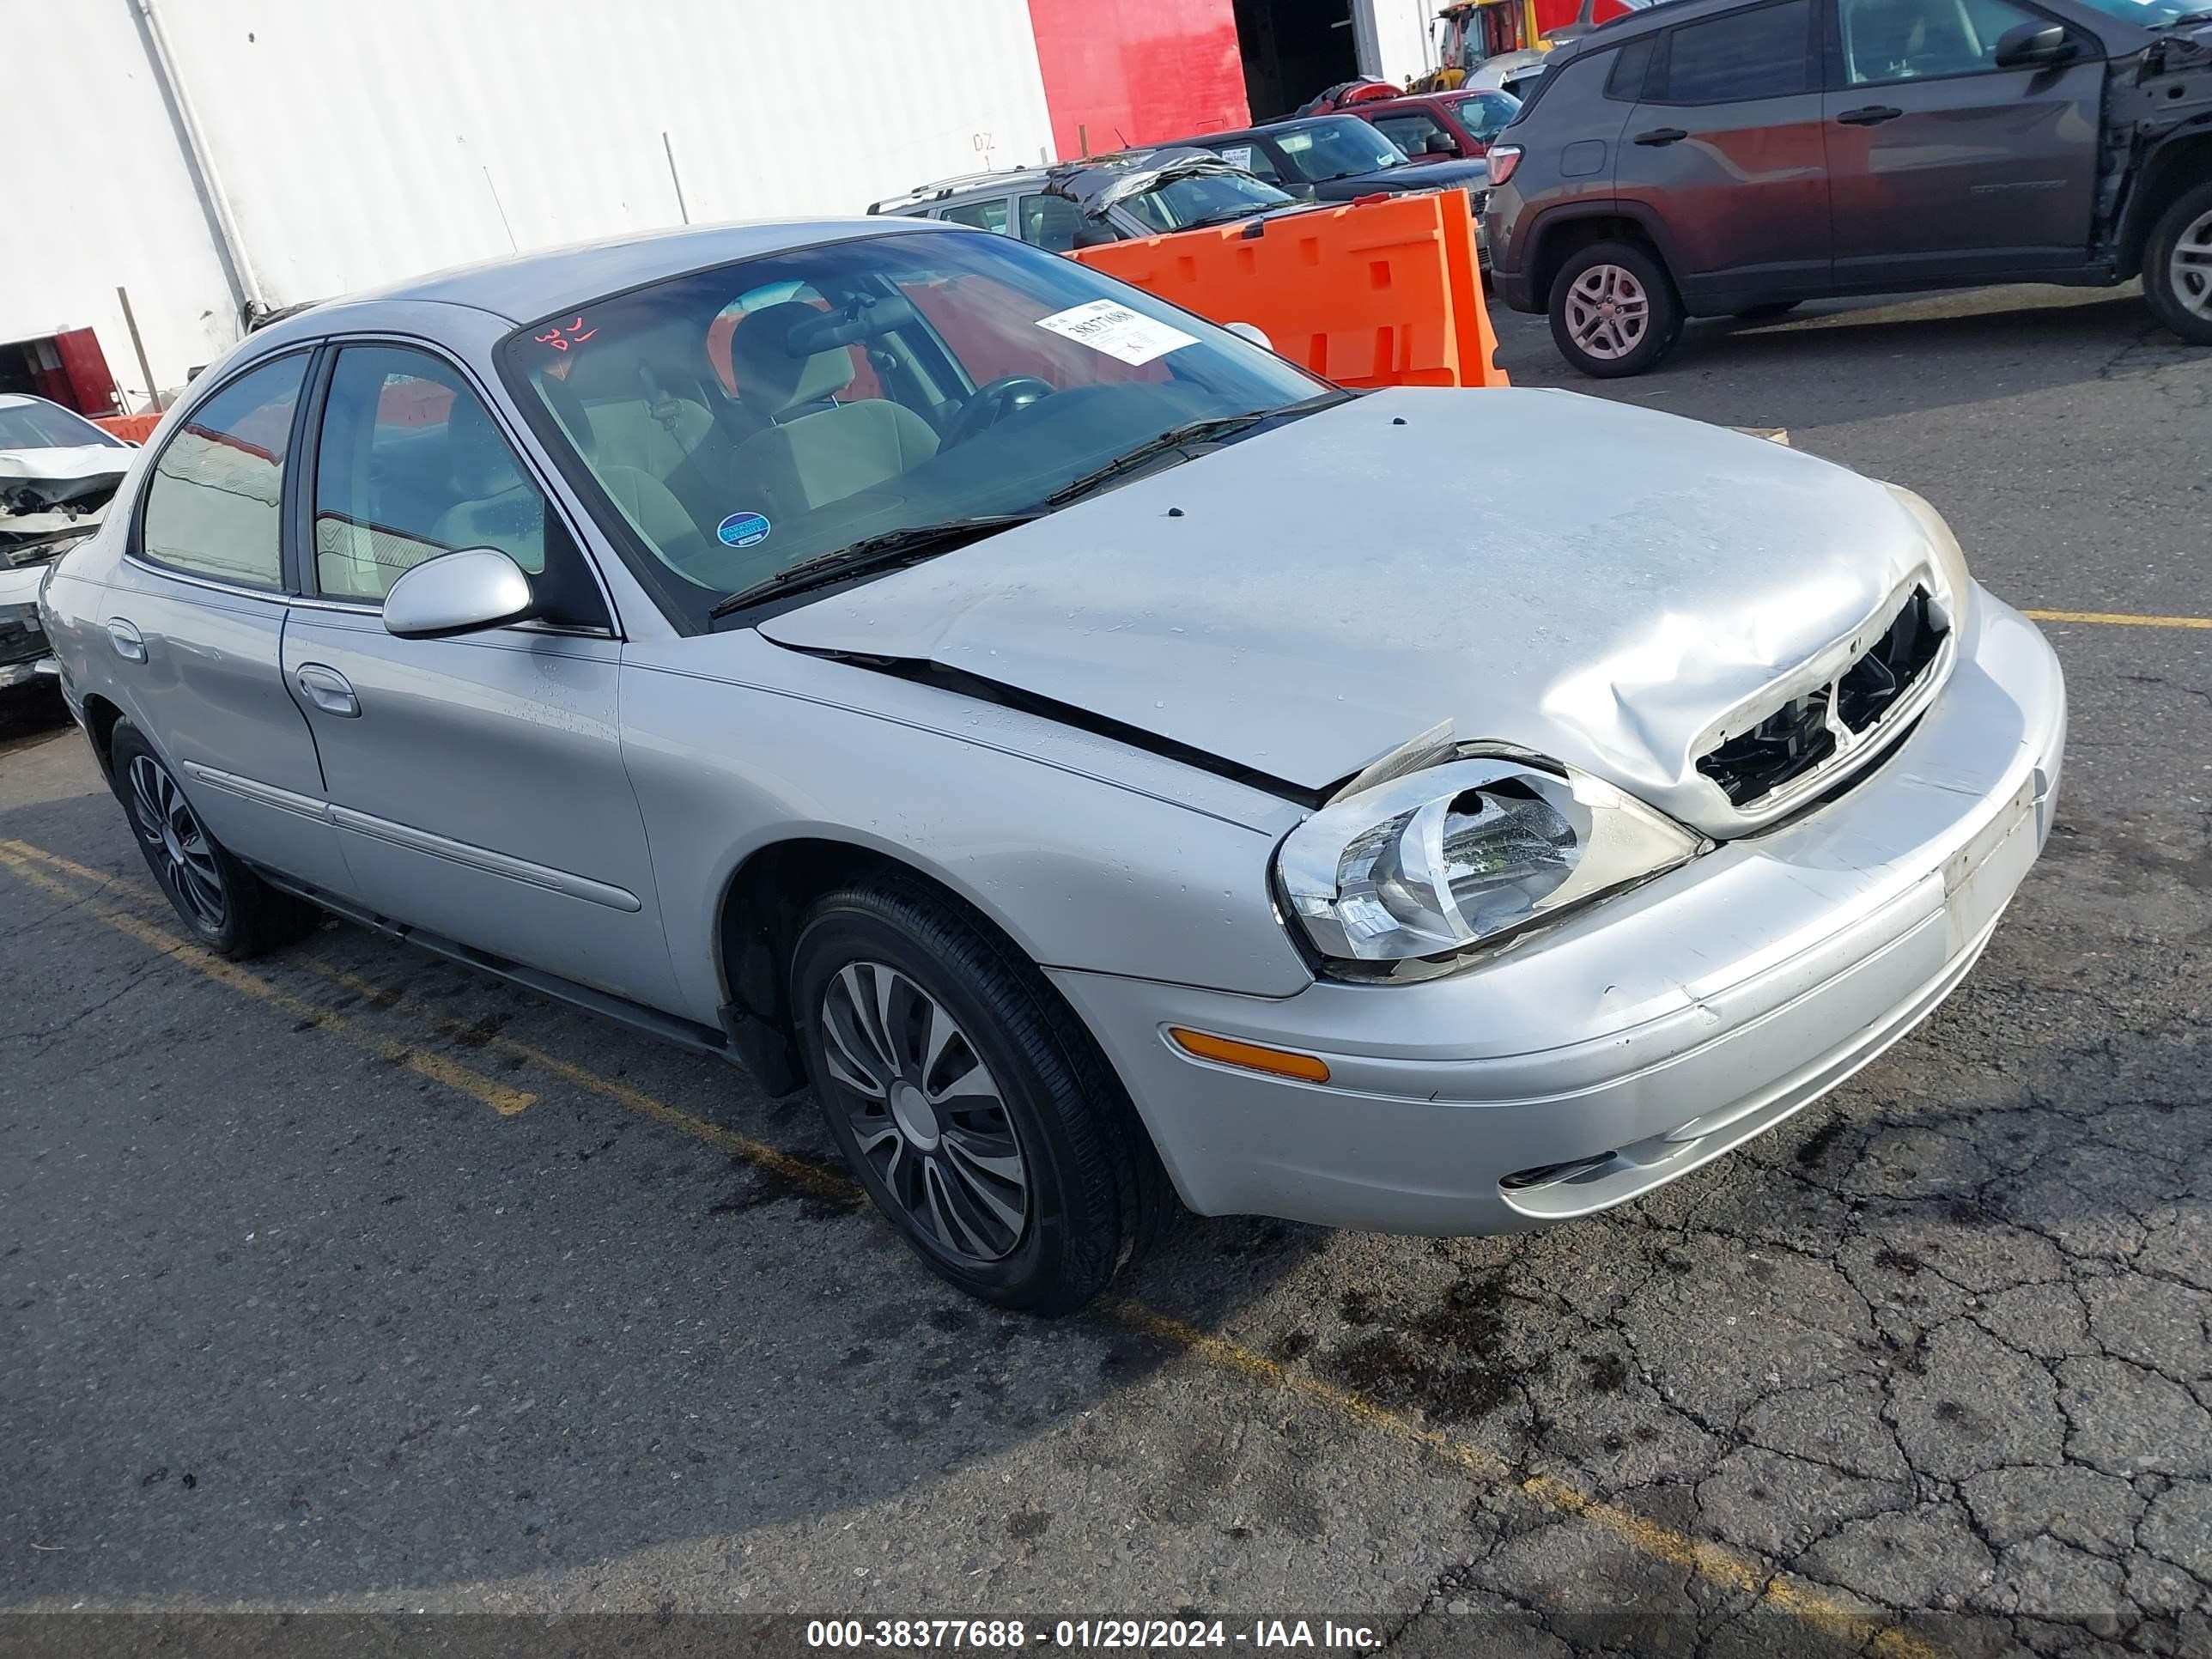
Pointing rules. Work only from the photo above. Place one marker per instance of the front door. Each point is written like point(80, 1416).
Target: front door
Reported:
point(1944, 166)
point(477, 783)
point(1724, 148)
point(196, 623)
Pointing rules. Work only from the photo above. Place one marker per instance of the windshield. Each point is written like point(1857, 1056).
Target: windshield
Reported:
point(1485, 113)
point(2149, 13)
point(49, 426)
point(734, 422)
point(1201, 198)
point(1338, 147)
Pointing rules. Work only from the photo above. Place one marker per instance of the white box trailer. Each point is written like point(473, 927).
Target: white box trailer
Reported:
point(213, 156)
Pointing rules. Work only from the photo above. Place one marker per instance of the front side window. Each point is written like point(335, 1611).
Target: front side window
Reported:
point(1485, 113)
point(1742, 56)
point(1050, 222)
point(1416, 132)
point(1341, 147)
point(1920, 40)
point(1003, 374)
point(411, 466)
point(989, 215)
point(214, 503)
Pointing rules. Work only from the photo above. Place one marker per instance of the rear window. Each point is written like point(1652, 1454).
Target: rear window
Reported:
point(49, 426)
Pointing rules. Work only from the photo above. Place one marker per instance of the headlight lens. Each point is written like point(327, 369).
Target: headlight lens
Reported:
point(1950, 557)
point(1465, 852)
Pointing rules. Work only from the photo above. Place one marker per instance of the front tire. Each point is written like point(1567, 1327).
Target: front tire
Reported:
point(227, 908)
point(1613, 309)
point(973, 1108)
point(2177, 268)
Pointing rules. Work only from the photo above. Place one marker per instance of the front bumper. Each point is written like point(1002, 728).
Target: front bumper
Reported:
point(1643, 1038)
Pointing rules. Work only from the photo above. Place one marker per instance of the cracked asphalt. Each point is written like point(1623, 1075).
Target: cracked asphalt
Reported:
point(357, 1282)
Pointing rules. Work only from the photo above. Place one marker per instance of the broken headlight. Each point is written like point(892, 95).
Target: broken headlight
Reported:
point(1950, 559)
point(1465, 852)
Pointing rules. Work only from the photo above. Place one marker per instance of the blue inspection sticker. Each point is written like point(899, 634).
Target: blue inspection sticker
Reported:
point(742, 530)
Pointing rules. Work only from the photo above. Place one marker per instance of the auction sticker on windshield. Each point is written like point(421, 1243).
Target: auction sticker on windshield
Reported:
point(1109, 326)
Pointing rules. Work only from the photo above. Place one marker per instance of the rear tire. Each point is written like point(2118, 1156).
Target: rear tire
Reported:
point(227, 908)
point(973, 1108)
point(1613, 309)
point(2177, 267)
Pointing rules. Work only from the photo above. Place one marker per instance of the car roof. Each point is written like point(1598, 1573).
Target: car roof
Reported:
point(523, 287)
point(1006, 178)
point(18, 399)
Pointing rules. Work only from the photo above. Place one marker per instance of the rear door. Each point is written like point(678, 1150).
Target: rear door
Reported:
point(477, 783)
point(1724, 148)
point(1944, 166)
point(195, 625)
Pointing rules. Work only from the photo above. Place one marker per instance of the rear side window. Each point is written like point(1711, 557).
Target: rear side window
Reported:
point(215, 506)
point(1764, 54)
point(1632, 65)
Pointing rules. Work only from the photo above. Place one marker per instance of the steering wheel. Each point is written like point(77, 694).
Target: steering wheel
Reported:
point(991, 404)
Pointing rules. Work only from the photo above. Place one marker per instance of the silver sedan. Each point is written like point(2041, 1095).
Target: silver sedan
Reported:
point(1105, 763)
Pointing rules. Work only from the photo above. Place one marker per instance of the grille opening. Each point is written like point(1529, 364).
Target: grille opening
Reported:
point(1788, 744)
point(1799, 737)
point(1878, 678)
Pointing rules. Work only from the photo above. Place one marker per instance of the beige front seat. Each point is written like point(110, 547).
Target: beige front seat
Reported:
point(635, 421)
point(816, 450)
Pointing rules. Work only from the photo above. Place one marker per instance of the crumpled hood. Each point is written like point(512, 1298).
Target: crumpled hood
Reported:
point(48, 493)
point(1598, 583)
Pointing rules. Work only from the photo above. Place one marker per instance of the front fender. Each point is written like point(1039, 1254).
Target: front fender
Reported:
point(1081, 870)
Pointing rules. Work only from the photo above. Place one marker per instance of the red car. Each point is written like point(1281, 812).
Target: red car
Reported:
point(1428, 126)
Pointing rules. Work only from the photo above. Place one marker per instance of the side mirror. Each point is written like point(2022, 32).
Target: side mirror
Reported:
point(2027, 44)
point(1250, 331)
point(458, 593)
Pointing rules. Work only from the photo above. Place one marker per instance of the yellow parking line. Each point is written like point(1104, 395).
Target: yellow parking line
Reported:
point(1808, 1603)
point(2116, 619)
point(18, 858)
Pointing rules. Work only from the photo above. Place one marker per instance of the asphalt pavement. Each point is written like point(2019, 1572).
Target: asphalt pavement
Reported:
point(351, 1280)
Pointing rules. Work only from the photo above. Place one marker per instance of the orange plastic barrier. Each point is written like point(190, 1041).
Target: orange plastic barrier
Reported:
point(1375, 294)
point(131, 428)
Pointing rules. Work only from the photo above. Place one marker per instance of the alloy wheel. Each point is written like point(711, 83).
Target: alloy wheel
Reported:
point(185, 854)
point(926, 1113)
point(1607, 311)
point(2191, 267)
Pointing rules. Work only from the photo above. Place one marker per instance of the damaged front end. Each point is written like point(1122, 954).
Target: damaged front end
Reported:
point(48, 505)
point(49, 501)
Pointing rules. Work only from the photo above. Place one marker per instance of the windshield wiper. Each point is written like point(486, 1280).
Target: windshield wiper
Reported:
point(1191, 432)
point(885, 551)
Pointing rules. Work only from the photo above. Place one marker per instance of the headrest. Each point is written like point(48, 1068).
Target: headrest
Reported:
point(772, 374)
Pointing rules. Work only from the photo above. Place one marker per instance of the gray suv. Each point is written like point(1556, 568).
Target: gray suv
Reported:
point(1733, 157)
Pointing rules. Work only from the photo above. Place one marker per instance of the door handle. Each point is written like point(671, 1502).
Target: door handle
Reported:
point(1872, 116)
point(327, 690)
point(129, 644)
point(1662, 136)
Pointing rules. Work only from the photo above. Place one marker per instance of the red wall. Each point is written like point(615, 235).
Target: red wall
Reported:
point(1137, 71)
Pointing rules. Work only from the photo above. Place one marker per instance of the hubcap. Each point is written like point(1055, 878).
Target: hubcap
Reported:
point(183, 854)
point(2191, 267)
point(1607, 311)
point(924, 1111)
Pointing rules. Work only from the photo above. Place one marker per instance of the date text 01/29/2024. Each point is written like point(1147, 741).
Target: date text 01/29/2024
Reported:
point(1006, 1635)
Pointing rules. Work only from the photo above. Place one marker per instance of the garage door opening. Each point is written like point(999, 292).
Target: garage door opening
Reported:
point(67, 368)
point(1292, 49)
